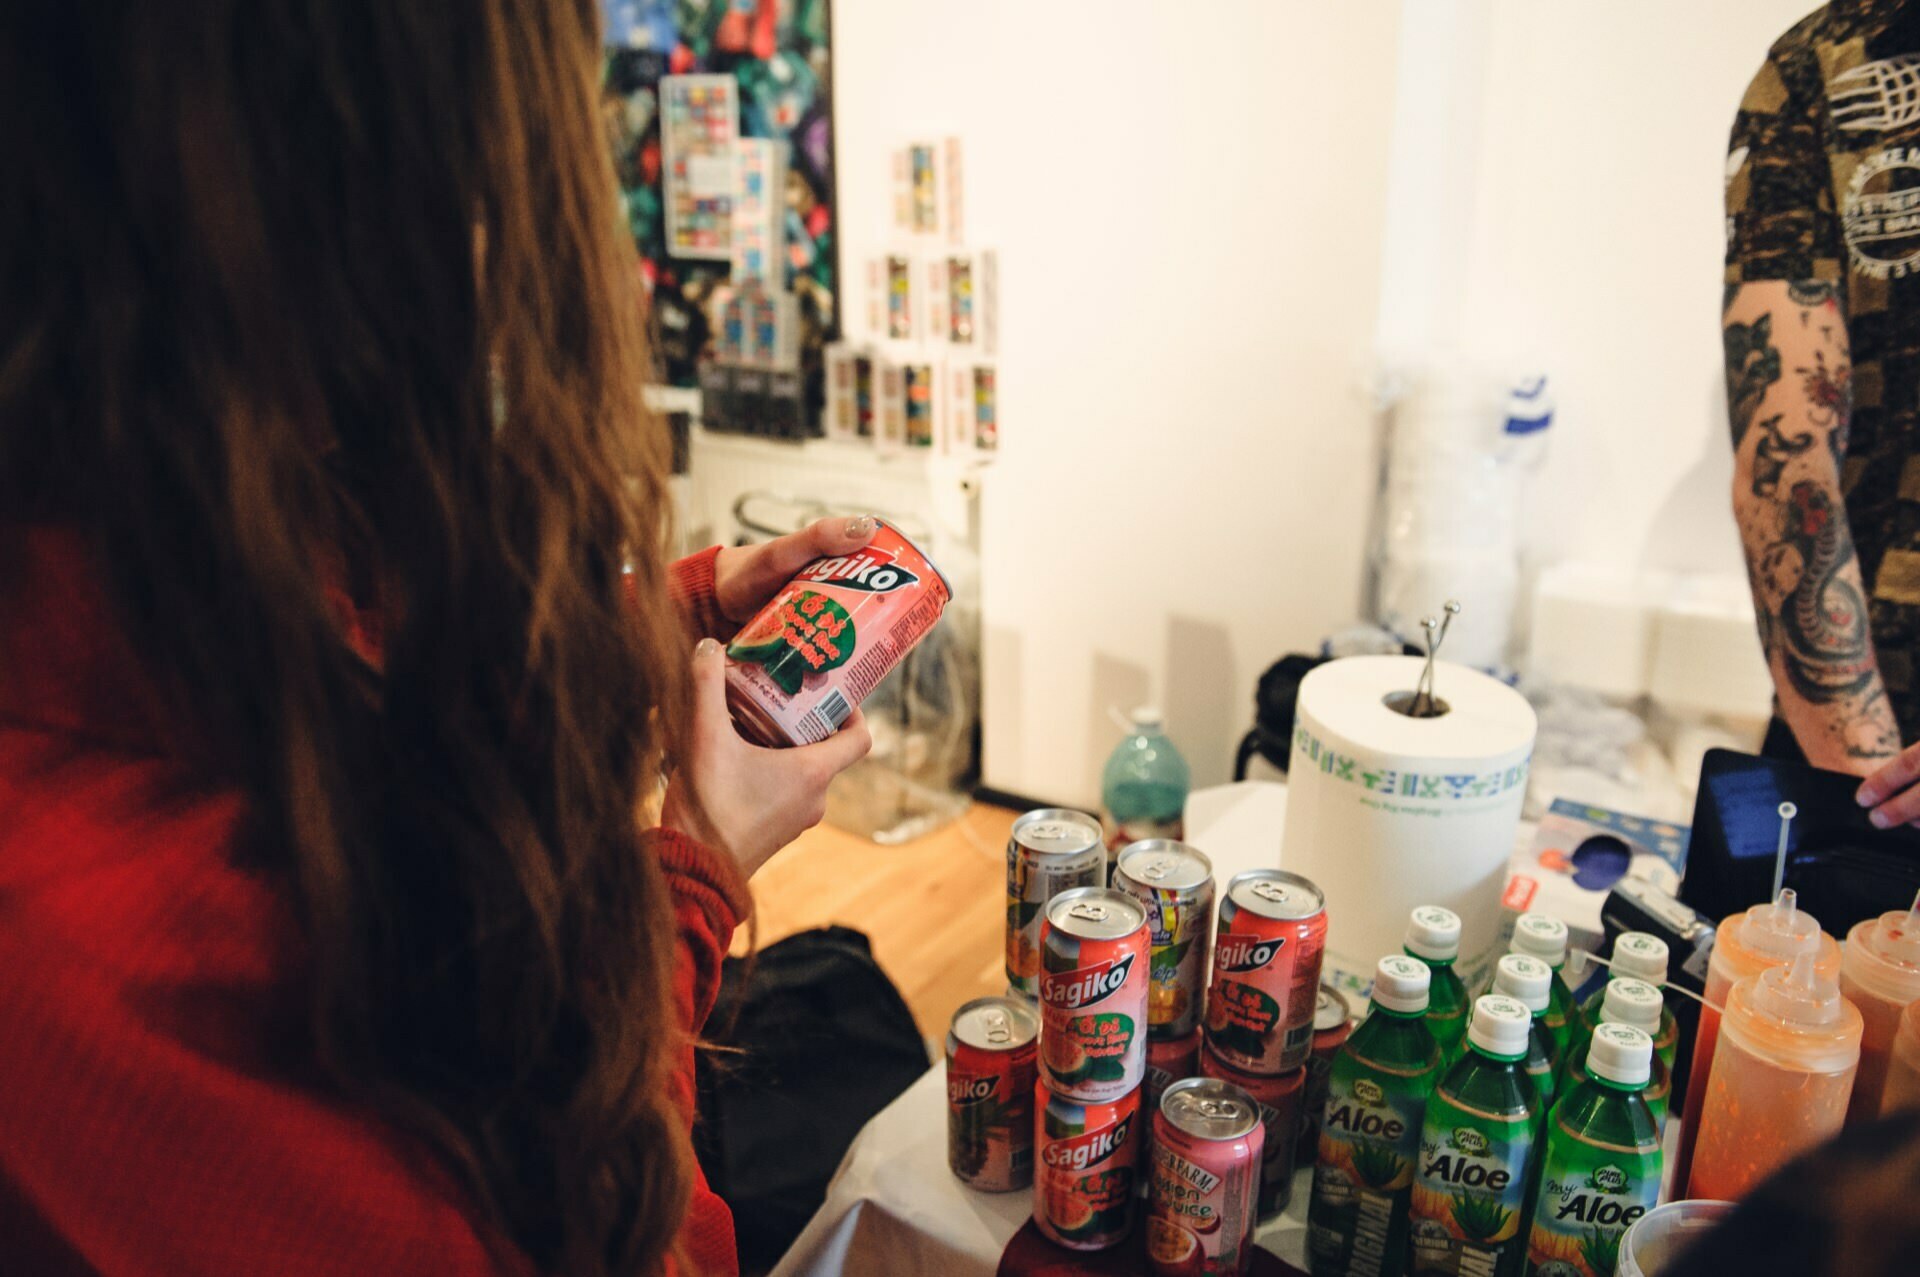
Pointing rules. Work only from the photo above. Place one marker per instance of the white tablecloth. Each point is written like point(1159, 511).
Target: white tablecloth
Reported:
point(895, 1209)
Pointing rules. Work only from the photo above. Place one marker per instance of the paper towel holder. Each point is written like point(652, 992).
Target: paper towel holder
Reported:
point(1421, 701)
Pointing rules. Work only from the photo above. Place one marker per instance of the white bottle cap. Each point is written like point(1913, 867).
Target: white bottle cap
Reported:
point(1527, 981)
point(1539, 936)
point(1147, 719)
point(1499, 1026)
point(1433, 932)
point(1621, 1053)
point(1631, 1001)
point(1642, 956)
point(1400, 984)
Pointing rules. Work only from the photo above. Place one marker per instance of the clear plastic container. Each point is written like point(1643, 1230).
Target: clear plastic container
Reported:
point(1782, 1075)
point(1903, 1068)
point(1662, 1235)
point(1144, 785)
point(1880, 974)
point(1745, 944)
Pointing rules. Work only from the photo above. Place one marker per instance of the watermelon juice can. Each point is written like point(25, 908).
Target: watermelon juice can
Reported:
point(1174, 883)
point(1281, 1099)
point(1086, 1159)
point(1266, 971)
point(1093, 994)
point(796, 671)
point(1049, 851)
point(1207, 1145)
point(991, 1052)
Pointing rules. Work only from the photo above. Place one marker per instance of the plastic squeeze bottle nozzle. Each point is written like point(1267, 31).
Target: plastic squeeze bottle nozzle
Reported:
point(1745, 944)
point(1433, 936)
point(1880, 975)
point(1538, 935)
point(1789, 1047)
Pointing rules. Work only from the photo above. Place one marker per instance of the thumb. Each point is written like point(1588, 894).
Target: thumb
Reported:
point(823, 538)
point(709, 684)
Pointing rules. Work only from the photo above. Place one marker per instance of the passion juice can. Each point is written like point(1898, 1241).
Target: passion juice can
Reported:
point(1266, 971)
point(1174, 884)
point(1281, 1100)
point(1086, 1158)
point(1093, 994)
point(1332, 1025)
point(1049, 851)
point(799, 667)
point(991, 1051)
point(1207, 1144)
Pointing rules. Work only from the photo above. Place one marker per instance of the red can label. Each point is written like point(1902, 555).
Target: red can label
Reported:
point(1202, 1210)
point(1087, 1158)
point(990, 1116)
point(1266, 978)
point(796, 671)
point(1282, 1100)
point(1093, 1014)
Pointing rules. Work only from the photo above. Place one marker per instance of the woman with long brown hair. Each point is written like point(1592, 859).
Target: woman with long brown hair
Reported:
point(339, 662)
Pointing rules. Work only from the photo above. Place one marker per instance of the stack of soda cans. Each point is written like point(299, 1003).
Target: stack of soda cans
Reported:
point(1262, 1008)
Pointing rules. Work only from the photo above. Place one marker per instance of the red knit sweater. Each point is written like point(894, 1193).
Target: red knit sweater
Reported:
point(149, 1122)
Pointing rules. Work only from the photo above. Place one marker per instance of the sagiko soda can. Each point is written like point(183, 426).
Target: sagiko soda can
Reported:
point(1049, 851)
point(1174, 883)
point(796, 671)
point(1332, 1026)
point(1281, 1099)
point(991, 1050)
point(1266, 971)
point(1093, 994)
point(1085, 1159)
point(1207, 1142)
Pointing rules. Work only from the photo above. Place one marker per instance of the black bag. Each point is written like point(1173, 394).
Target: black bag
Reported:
point(825, 1042)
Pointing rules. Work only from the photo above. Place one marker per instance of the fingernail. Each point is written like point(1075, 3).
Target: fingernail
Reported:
point(1880, 820)
point(1864, 796)
point(861, 526)
point(705, 648)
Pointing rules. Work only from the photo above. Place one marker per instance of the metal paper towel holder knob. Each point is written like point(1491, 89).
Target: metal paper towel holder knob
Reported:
point(1421, 702)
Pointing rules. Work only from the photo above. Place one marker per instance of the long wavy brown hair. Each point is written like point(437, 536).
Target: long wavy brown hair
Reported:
point(309, 297)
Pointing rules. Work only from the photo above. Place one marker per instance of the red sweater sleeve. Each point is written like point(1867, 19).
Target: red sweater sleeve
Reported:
point(709, 900)
point(690, 586)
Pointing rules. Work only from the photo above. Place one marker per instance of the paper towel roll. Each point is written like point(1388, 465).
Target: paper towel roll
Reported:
point(1386, 812)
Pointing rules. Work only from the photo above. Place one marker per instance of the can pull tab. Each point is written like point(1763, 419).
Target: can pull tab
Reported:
point(1272, 891)
point(1088, 911)
point(998, 1027)
point(1157, 869)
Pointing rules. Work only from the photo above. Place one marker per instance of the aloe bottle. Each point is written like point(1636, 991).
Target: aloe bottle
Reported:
point(1601, 1168)
point(1537, 935)
point(1476, 1150)
point(1433, 936)
point(1370, 1130)
point(1528, 981)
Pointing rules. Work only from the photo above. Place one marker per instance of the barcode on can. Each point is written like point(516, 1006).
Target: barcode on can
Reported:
point(824, 719)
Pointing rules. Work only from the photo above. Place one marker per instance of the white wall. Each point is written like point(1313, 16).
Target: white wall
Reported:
point(1584, 155)
point(1189, 216)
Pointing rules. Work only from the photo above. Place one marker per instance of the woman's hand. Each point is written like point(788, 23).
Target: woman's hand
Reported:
point(753, 801)
point(745, 577)
point(1891, 792)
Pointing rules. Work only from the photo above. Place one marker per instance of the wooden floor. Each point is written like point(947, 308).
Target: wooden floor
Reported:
point(934, 908)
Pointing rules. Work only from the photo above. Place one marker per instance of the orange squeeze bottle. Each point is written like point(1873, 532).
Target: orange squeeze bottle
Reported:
point(1745, 945)
point(1782, 1074)
point(1880, 974)
point(1903, 1069)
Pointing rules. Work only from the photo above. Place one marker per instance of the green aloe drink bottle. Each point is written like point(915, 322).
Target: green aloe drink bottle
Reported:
point(1475, 1153)
point(1637, 955)
point(1370, 1130)
point(1433, 936)
point(1529, 982)
point(1538, 936)
point(1638, 1003)
point(1601, 1169)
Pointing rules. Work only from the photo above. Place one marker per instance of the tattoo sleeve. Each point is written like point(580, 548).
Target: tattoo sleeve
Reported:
point(1788, 399)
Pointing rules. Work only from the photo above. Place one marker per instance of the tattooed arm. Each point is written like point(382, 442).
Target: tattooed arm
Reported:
point(1788, 376)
